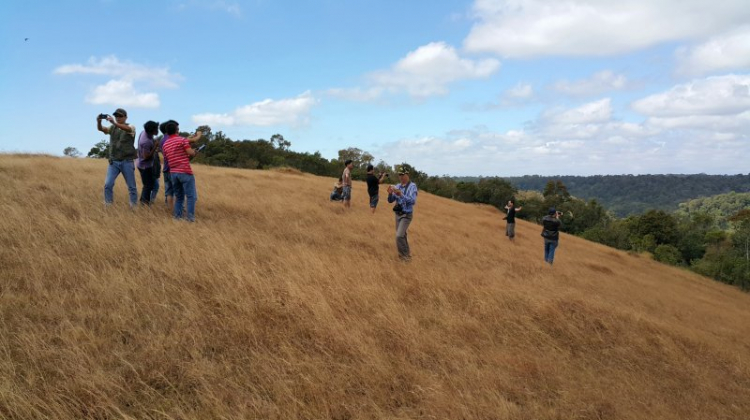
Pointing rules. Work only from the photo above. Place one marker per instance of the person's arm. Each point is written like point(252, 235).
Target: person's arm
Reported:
point(195, 137)
point(519, 209)
point(153, 150)
point(380, 180)
point(391, 195)
point(189, 150)
point(408, 197)
point(101, 128)
point(124, 127)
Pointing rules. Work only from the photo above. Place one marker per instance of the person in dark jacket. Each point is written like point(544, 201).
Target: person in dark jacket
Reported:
point(551, 234)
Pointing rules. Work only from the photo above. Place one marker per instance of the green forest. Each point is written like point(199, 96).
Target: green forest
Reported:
point(700, 222)
point(625, 195)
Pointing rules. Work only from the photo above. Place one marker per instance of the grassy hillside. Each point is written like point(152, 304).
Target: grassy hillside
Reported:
point(277, 304)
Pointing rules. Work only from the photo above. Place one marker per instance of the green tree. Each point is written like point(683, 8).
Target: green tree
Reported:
point(100, 150)
point(71, 152)
point(668, 254)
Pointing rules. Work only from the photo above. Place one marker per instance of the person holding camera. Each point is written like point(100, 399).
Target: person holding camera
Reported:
point(510, 227)
point(346, 178)
point(178, 151)
point(121, 154)
point(551, 233)
point(373, 186)
point(147, 150)
point(405, 196)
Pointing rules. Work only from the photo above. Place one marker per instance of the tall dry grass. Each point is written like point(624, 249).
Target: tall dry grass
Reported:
point(278, 304)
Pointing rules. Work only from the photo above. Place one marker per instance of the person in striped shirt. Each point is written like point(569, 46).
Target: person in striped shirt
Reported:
point(177, 151)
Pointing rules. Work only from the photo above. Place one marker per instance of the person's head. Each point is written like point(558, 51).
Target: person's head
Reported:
point(120, 115)
point(403, 174)
point(370, 168)
point(552, 211)
point(341, 179)
point(510, 203)
point(172, 128)
point(348, 163)
point(151, 128)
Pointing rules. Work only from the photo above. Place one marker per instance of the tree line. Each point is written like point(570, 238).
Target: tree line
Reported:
point(626, 195)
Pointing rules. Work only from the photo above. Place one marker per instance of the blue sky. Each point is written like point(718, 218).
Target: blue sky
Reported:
point(483, 87)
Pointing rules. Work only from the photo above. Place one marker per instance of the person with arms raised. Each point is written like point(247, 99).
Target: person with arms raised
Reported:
point(121, 154)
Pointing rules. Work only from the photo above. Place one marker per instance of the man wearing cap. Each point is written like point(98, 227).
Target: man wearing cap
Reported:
point(346, 179)
point(405, 196)
point(121, 155)
point(551, 234)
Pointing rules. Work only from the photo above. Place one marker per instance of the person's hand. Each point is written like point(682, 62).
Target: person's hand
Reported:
point(390, 189)
point(110, 119)
point(397, 192)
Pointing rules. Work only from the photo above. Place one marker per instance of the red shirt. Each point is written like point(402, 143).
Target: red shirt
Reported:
point(175, 151)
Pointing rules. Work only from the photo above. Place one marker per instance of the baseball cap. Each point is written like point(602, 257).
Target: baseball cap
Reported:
point(552, 210)
point(120, 111)
point(402, 170)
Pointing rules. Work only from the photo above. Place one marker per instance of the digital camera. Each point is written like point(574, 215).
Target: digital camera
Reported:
point(103, 116)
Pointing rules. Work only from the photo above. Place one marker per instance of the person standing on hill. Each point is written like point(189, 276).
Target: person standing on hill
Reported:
point(121, 154)
point(551, 233)
point(177, 151)
point(510, 227)
point(346, 179)
point(147, 148)
point(373, 186)
point(405, 196)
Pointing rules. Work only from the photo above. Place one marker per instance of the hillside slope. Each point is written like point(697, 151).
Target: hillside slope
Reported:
point(277, 304)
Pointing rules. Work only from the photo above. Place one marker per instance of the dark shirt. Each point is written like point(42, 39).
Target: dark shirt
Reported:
point(511, 215)
point(372, 185)
point(121, 144)
point(551, 228)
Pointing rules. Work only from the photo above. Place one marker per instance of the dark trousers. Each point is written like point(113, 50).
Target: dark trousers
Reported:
point(148, 179)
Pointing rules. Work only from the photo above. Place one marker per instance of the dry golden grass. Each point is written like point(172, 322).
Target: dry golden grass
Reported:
point(278, 304)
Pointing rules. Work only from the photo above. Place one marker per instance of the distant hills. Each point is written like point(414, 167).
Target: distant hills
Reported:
point(625, 195)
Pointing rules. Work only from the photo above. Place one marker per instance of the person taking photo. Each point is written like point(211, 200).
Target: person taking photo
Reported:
point(121, 154)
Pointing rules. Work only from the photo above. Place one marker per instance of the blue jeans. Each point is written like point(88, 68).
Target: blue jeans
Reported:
point(549, 250)
point(184, 186)
point(127, 168)
point(155, 190)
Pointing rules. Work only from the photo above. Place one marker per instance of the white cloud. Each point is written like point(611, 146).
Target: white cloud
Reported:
point(592, 112)
point(426, 71)
point(292, 111)
point(157, 77)
point(719, 95)
point(122, 93)
point(231, 7)
point(529, 28)
point(520, 91)
point(122, 89)
point(728, 51)
point(598, 83)
point(356, 94)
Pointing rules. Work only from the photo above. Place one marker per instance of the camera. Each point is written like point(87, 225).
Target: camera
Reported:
point(103, 116)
